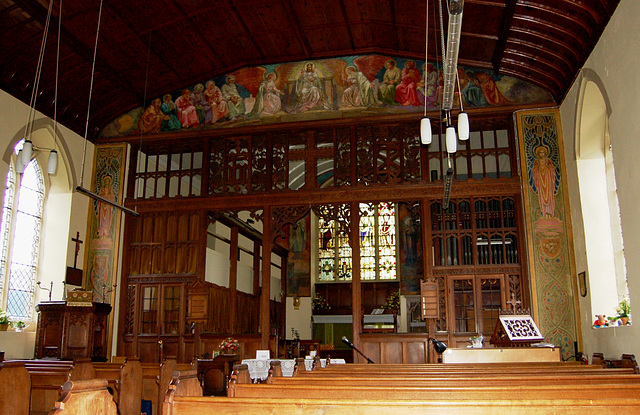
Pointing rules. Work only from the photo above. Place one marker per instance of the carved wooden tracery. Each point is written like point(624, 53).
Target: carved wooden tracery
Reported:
point(339, 166)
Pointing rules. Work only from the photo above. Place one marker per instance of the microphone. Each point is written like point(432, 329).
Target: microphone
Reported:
point(346, 341)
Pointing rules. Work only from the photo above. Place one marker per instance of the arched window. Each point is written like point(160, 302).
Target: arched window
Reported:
point(599, 201)
point(20, 240)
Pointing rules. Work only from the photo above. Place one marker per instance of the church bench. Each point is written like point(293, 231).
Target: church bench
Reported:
point(156, 378)
point(189, 405)
point(15, 387)
point(47, 380)
point(626, 361)
point(126, 381)
point(449, 392)
point(487, 380)
point(85, 397)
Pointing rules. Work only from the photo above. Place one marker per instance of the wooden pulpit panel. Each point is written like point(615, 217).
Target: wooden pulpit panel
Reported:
point(429, 299)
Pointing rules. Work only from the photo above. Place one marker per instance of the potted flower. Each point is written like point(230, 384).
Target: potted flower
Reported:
point(393, 302)
point(319, 304)
point(229, 346)
point(5, 323)
point(20, 326)
point(624, 312)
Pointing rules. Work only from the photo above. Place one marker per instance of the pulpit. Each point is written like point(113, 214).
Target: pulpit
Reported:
point(70, 331)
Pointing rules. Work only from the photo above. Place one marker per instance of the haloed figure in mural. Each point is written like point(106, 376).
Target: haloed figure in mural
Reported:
point(428, 87)
point(151, 120)
point(187, 113)
point(105, 210)
point(232, 96)
point(219, 107)
point(202, 107)
point(309, 92)
point(268, 101)
point(170, 121)
point(406, 93)
point(392, 77)
point(544, 176)
point(360, 92)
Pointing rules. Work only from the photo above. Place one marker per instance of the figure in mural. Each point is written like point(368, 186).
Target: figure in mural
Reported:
point(309, 94)
point(392, 77)
point(232, 96)
point(490, 89)
point(359, 92)
point(187, 113)
point(406, 93)
point(99, 276)
point(202, 107)
point(219, 107)
point(268, 100)
point(471, 92)
point(105, 210)
point(170, 121)
point(151, 120)
point(544, 176)
point(428, 88)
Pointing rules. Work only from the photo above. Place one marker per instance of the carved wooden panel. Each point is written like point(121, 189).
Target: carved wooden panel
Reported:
point(366, 156)
point(343, 150)
point(259, 168)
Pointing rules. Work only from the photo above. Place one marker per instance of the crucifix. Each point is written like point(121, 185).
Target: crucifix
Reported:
point(513, 302)
point(78, 242)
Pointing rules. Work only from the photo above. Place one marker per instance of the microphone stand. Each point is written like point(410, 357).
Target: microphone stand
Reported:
point(348, 343)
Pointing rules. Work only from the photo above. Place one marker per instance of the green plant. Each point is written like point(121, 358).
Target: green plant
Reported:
point(623, 310)
point(4, 319)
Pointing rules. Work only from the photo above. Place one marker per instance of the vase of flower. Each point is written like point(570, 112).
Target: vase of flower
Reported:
point(229, 346)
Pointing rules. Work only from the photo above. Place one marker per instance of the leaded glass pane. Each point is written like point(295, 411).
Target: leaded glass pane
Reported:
point(326, 250)
point(5, 226)
point(345, 267)
point(387, 241)
point(367, 242)
point(26, 243)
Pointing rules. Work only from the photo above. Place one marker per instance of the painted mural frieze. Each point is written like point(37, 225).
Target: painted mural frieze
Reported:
point(347, 87)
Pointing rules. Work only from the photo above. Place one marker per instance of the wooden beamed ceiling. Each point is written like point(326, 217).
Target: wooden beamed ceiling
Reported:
point(146, 49)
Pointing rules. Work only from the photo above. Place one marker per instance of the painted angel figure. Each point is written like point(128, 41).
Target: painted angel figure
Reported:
point(268, 101)
point(360, 92)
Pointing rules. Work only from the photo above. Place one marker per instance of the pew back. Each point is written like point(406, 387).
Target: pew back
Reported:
point(85, 397)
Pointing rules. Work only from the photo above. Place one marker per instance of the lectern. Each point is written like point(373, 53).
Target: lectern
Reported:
point(68, 331)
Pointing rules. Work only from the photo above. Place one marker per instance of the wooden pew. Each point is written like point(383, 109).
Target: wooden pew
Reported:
point(15, 388)
point(85, 397)
point(182, 405)
point(48, 377)
point(125, 380)
point(626, 361)
point(156, 378)
point(510, 392)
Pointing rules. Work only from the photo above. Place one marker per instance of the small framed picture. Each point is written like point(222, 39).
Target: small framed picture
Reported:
point(263, 354)
point(582, 283)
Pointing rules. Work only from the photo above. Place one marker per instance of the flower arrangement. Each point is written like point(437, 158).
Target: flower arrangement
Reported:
point(624, 312)
point(393, 301)
point(319, 303)
point(229, 346)
point(4, 321)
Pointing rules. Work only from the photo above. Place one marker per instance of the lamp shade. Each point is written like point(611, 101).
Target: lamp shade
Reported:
point(451, 140)
point(27, 151)
point(425, 131)
point(19, 163)
point(439, 346)
point(463, 126)
point(52, 163)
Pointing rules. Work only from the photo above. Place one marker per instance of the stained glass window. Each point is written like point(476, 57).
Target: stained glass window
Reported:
point(377, 246)
point(21, 227)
